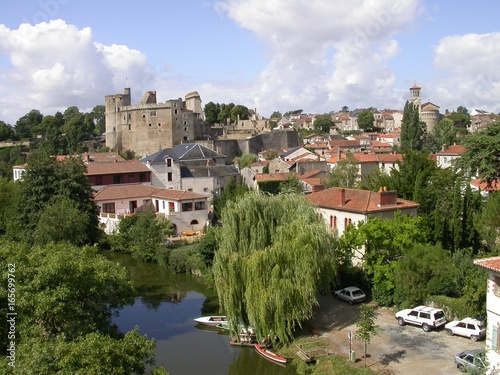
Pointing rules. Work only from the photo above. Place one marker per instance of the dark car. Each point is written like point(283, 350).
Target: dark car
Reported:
point(470, 360)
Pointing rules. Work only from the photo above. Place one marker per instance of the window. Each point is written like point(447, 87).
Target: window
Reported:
point(98, 180)
point(131, 175)
point(199, 205)
point(496, 289)
point(187, 206)
point(159, 124)
point(190, 189)
point(108, 208)
point(205, 189)
point(175, 111)
point(171, 206)
point(193, 222)
point(169, 162)
point(152, 113)
point(117, 179)
point(142, 177)
point(129, 126)
point(169, 176)
point(335, 222)
point(163, 204)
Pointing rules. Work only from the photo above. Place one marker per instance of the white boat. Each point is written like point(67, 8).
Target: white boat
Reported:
point(212, 321)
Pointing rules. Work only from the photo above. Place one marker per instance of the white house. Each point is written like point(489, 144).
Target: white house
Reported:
point(188, 211)
point(445, 157)
point(342, 207)
point(492, 266)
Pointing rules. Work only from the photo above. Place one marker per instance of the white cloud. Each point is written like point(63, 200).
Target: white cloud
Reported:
point(56, 65)
point(302, 37)
point(472, 77)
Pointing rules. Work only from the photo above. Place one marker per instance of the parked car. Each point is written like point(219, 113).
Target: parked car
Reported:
point(472, 328)
point(426, 317)
point(351, 294)
point(470, 360)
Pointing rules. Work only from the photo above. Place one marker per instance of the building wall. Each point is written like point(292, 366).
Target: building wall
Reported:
point(492, 318)
point(149, 127)
point(125, 178)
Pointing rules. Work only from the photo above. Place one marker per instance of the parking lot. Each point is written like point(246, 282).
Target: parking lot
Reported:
point(406, 350)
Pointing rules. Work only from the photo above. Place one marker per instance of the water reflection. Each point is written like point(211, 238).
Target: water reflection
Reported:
point(165, 308)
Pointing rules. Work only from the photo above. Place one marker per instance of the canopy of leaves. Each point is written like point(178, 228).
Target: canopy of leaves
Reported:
point(27, 122)
point(143, 236)
point(323, 123)
point(211, 113)
point(345, 174)
point(245, 160)
point(45, 179)
point(6, 131)
point(444, 133)
point(487, 223)
point(482, 155)
point(425, 270)
point(273, 253)
point(67, 298)
point(239, 112)
point(412, 129)
point(276, 114)
point(366, 120)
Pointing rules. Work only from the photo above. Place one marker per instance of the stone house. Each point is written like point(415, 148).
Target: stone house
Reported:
point(190, 167)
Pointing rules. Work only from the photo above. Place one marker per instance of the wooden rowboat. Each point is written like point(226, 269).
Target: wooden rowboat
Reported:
point(269, 354)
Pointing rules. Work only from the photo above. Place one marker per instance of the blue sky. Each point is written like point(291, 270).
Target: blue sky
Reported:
point(316, 55)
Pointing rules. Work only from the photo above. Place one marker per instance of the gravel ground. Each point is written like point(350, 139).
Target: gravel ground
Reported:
point(397, 350)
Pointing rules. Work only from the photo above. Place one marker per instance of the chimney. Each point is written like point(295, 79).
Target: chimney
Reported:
point(341, 197)
point(386, 198)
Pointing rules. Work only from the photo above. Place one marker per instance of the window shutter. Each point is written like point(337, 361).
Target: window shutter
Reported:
point(494, 338)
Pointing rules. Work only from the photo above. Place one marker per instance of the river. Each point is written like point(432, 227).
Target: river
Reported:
point(164, 310)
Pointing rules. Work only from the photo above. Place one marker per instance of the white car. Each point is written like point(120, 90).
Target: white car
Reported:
point(468, 327)
point(350, 294)
point(426, 317)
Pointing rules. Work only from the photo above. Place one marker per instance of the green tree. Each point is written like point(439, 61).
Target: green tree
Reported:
point(291, 185)
point(75, 133)
point(374, 180)
point(232, 191)
point(98, 117)
point(366, 325)
point(366, 120)
point(323, 123)
point(487, 223)
point(239, 112)
point(344, 109)
point(276, 114)
point(412, 129)
point(143, 235)
point(444, 133)
point(425, 270)
point(245, 160)
point(27, 122)
point(482, 155)
point(211, 113)
point(273, 253)
point(9, 192)
point(225, 113)
point(345, 174)
point(6, 131)
point(46, 178)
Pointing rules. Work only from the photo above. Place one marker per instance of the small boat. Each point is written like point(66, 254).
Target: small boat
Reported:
point(269, 354)
point(211, 320)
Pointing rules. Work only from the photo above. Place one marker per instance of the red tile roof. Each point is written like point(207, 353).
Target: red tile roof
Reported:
point(361, 201)
point(260, 177)
point(495, 185)
point(453, 150)
point(365, 158)
point(492, 264)
point(116, 168)
point(129, 191)
point(389, 158)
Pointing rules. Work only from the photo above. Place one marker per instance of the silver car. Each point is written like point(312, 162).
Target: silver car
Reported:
point(350, 294)
point(470, 361)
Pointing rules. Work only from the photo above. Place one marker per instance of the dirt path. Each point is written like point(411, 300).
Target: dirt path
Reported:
point(397, 350)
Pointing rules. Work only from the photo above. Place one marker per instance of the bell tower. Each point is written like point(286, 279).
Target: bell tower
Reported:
point(415, 96)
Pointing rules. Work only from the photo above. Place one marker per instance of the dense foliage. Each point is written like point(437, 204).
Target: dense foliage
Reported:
point(413, 130)
point(273, 253)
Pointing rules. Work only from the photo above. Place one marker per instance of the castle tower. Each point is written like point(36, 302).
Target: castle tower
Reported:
point(113, 103)
point(193, 103)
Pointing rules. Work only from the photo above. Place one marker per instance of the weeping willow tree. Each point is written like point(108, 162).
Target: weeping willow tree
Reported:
point(274, 252)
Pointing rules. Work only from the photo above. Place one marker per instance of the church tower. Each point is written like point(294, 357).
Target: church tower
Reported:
point(415, 96)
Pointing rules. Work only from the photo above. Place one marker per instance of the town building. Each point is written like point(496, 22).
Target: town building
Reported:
point(148, 126)
point(492, 267)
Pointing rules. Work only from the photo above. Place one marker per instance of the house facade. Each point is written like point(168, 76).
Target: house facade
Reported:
point(190, 167)
point(448, 154)
point(340, 207)
point(492, 267)
point(186, 210)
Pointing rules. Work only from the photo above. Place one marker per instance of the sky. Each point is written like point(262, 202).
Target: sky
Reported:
point(268, 55)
